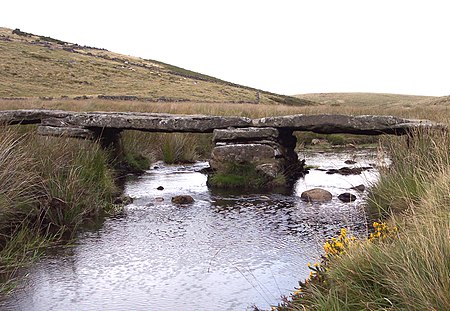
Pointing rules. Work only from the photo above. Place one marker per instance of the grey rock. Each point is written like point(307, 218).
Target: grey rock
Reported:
point(154, 122)
point(347, 197)
point(359, 188)
point(241, 153)
point(244, 134)
point(329, 123)
point(182, 199)
point(349, 170)
point(271, 170)
point(316, 195)
point(350, 162)
point(75, 132)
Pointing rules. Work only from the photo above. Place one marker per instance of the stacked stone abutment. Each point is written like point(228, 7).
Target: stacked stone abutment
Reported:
point(270, 150)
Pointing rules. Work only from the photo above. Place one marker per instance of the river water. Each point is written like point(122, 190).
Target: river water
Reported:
point(227, 251)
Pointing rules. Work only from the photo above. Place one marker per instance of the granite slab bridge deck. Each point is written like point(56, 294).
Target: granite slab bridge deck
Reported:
point(99, 124)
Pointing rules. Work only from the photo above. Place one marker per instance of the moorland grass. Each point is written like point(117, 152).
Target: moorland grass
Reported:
point(40, 66)
point(48, 188)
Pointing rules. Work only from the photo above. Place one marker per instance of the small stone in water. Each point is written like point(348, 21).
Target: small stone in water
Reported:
point(347, 197)
point(350, 162)
point(159, 199)
point(182, 199)
point(160, 188)
point(316, 195)
point(360, 188)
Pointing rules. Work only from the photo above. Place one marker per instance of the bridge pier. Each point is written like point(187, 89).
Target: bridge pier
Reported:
point(269, 150)
point(110, 139)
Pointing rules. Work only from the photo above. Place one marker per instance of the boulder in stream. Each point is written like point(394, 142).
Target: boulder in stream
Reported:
point(316, 195)
point(347, 197)
point(182, 199)
point(359, 188)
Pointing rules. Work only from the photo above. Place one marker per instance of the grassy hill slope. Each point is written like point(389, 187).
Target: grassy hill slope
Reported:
point(366, 99)
point(39, 66)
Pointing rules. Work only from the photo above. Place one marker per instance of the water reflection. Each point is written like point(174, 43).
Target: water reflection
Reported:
point(224, 252)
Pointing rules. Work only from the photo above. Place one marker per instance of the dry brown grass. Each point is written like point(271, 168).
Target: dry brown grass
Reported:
point(33, 66)
point(439, 113)
point(364, 99)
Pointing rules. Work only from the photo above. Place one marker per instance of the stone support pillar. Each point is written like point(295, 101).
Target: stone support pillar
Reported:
point(270, 150)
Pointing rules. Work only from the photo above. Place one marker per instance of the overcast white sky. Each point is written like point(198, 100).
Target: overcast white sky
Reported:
point(283, 46)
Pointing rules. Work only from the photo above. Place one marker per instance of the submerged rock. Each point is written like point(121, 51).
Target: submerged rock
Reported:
point(160, 188)
point(316, 195)
point(359, 188)
point(123, 200)
point(347, 197)
point(350, 162)
point(182, 199)
point(349, 170)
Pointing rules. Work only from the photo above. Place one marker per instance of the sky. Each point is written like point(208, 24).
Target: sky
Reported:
point(284, 46)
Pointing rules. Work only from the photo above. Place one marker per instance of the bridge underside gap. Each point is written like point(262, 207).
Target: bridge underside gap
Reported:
point(110, 140)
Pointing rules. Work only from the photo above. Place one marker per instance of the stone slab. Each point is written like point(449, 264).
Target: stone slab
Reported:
point(331, 123)
point(242, 153)
point(153, 122)
point(75, 132)
point(245, 134)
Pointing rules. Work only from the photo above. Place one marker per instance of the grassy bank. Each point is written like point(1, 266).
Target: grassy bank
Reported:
point(405, 263)
point(48, 188)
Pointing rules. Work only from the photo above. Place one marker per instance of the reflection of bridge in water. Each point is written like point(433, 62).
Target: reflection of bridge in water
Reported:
point(265, 140)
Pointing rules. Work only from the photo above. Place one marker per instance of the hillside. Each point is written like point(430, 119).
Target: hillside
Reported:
point(370, 99)
point(38, 66)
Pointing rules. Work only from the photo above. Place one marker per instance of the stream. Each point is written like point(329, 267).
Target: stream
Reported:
point(226, 251)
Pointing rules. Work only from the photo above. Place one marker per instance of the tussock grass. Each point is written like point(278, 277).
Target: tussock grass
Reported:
point(178, 148)
point(410, 270)
point(415, 159)
point(48, 187)
point(171, 148)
